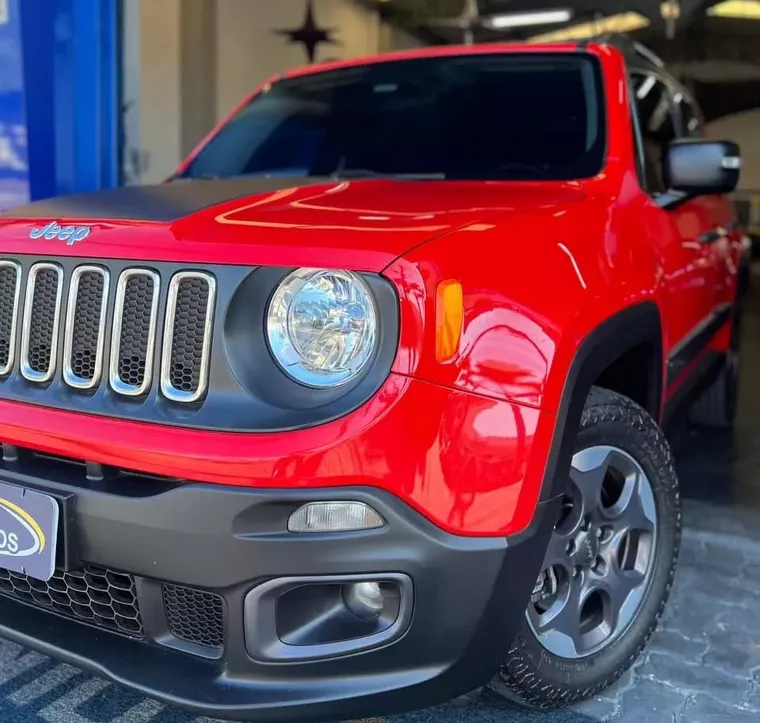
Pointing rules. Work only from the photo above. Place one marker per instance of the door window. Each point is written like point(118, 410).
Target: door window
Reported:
point(691, 118)
point(653, 105)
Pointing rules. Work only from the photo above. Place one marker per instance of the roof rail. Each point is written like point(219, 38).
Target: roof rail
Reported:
point(626, 44)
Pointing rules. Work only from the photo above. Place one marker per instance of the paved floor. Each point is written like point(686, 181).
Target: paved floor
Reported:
point(703, 665)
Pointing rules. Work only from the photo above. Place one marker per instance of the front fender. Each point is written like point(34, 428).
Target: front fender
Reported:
point(546, 310)
point(534, 287)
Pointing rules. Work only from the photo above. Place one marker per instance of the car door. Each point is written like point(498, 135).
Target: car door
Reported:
point(722, 235)
point(687, 261)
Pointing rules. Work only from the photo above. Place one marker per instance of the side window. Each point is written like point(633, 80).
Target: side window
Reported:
point(655, 111)
point(691, 118)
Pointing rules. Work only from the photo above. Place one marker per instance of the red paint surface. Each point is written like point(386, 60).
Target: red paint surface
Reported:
point(461, 459)
point(541, 265)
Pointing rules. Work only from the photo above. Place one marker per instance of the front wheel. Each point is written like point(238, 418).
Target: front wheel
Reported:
point(609, 565)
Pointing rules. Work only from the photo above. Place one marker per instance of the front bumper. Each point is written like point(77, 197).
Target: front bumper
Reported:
point(462, 598)
point(472, 465)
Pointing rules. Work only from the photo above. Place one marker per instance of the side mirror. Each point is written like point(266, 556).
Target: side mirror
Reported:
point(701, 168)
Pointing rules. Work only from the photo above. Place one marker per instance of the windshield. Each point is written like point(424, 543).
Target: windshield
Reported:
point(503, 116)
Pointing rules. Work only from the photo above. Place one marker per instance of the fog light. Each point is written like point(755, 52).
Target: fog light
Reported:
point(364, 599)
point(334, 517)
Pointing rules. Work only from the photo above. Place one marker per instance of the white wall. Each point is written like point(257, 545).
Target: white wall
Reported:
point(744, 129)
point(160, 107)
point(401, 40)
point(250, 50)
point(130, 102)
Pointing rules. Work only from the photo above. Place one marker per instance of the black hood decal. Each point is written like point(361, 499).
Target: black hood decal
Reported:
point(163, 202)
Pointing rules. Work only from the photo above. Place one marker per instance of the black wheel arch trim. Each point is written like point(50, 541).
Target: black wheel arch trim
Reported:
point(618, 334)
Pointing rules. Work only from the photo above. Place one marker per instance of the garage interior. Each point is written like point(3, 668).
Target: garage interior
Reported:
point(178, 67)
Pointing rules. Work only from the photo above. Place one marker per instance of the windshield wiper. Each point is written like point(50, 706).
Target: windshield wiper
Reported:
point(199, 177)
point(351, 173)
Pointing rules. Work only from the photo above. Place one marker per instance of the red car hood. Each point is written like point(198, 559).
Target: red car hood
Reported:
point(363, 225)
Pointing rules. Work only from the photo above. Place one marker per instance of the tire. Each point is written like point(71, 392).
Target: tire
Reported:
point(717, 405)
point(541, 670)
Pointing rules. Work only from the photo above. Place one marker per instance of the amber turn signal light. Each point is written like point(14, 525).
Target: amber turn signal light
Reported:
point(449, 316)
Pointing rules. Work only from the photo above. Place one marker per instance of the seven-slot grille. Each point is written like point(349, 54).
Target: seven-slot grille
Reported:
point(43, 301)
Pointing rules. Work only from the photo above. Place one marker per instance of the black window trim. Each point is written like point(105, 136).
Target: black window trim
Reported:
point(675, 115)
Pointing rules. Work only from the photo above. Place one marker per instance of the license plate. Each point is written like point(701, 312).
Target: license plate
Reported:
point(28, 531)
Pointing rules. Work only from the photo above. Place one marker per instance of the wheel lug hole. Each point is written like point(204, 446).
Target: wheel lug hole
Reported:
point(570, 549)
point(585, 525)
point(600, 566)
point(577, 572)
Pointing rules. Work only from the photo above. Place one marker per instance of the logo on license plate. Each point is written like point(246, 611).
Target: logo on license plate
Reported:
point(20, 534)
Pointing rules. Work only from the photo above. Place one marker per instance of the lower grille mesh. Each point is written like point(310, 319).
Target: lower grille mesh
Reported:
point(105, 598)
point(195, 616)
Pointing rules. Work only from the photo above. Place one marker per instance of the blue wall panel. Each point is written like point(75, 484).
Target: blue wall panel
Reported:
point(14, 163)
point(67, 55)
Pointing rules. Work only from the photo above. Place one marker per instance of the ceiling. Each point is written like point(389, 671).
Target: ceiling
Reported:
point(453, 21)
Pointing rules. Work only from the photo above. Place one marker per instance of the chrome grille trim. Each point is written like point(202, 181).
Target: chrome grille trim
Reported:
point(26, 370)
point(8, 366)
point(167, 388)
point(69, 376)
point(115, 380)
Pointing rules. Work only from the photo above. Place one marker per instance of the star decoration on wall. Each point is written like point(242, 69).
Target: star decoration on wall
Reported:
point(310, 34)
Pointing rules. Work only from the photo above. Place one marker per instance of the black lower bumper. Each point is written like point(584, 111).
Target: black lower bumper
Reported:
point(461, 600)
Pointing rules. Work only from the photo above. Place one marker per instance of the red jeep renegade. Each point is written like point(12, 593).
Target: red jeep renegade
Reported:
point(361, 410)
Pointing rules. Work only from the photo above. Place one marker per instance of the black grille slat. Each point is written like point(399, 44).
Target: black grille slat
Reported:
point(188, 334)
point(195, 616)
point(9, 294)
point(135, 330)
point(188, 330)
point(86, 321)
point(42, 328)
point(85, 327)
point(40, 325)
point(100, 597)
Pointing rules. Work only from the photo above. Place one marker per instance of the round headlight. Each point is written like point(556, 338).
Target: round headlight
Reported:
point(322, 326)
